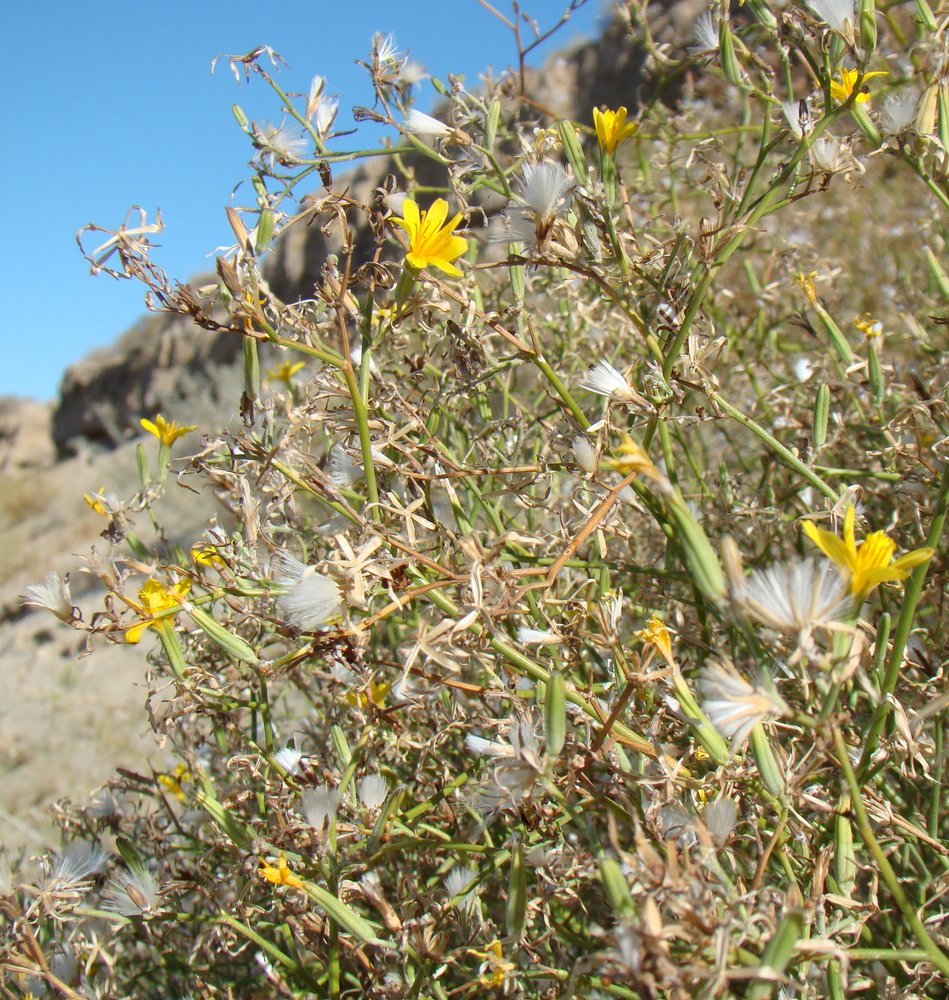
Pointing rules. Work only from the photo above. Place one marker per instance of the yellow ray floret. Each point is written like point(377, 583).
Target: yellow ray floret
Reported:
point(431, 238)
point(840, 90)
point(167, 431)
point(612, 128)
point(157, 600)
point(871, 562)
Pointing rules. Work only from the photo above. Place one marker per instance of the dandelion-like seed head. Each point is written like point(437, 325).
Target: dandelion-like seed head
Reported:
point(419, 123)
point(719, 817)
point(584, 454)
point(545, 191)
point(704, 34)
point(836, 14)
point(290, 759)
point(603, 379)
point(826, 153)
point(372, 790)
point(796, 596)
point(798, 116)
point(898, 111)
point(733, 704)
point(132, 893)
point(320, 805)
point(459, 884)
point(53, 595)
point(281, 143)
point(310, 599)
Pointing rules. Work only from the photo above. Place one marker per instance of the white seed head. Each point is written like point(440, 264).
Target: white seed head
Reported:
point(132, 893)
point(733, 704)
point(796, 596)
point(704, 34)
point(372, 791)
point(53, 595)
point(585, 454)
point(289, 758)
point(825, 153)
point(798, 116)
point(836, 14)
point(320, 805)
point(719, 817)
point(898, 112)
point(456, 882)
point(603, 379)
point(535, 636)
point(310, 600)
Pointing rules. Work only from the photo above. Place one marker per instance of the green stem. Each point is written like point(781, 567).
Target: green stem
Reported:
point(784, 454)
point(933, 952)
point(904, 625)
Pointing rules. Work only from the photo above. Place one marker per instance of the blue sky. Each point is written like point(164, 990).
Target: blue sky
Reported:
point(108, 104)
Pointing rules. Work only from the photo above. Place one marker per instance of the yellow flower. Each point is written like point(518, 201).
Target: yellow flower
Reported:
point(871, 562)
point(206, 555)
point(431, 238)
point(167, 431)
point(631, 457)
point(612, 128)
point(172, 782)
point(284, 371)
point(378, 690)
point(494, 969)
point(95, 501)
point(656, 634)
point(156, 598)
point(806, 281)
point(842, 89)
point(280, 874)
point(868, 326)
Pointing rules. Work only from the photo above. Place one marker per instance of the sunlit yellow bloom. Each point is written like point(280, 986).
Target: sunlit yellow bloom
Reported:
point(628, 456)
point(494, 969)
point(868, 326)
point(840, 90)
point(95, 501)
point(172, 782)
point(871, 562)
point(156, 598)
point(806, 281)
point(280, 874)
point(656, 634)
point(378, 690)
point(167, 431)
point(206, 555)
point(431, 238)
point(612, 128)
point(284, 371)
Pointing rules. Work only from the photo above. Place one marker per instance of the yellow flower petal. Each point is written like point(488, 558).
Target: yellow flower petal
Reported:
point(432, 242)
